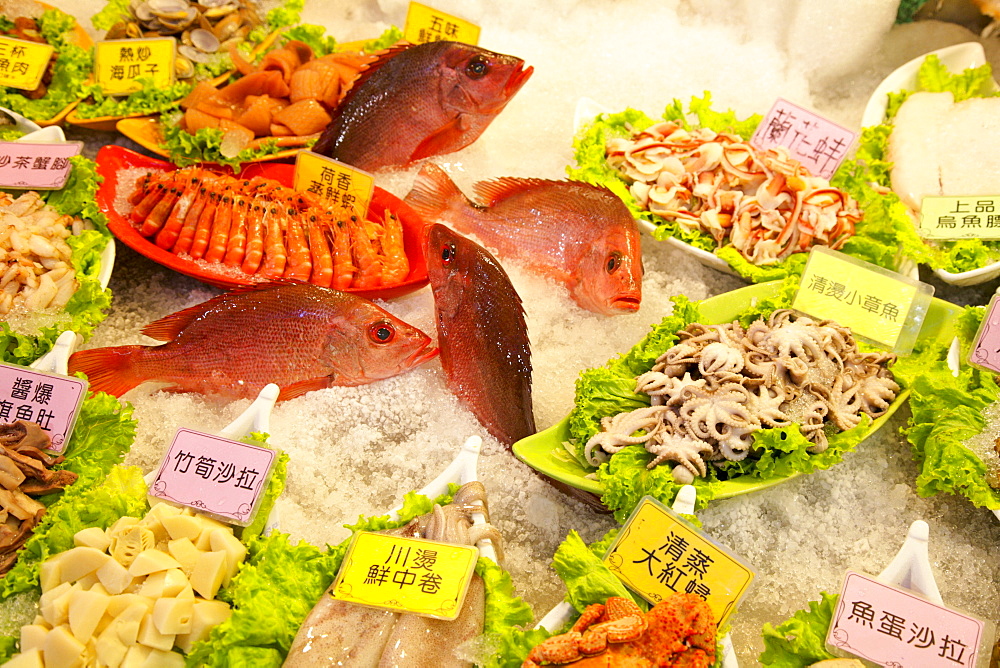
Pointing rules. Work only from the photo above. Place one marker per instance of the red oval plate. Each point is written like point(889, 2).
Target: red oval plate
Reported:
point(113, 160)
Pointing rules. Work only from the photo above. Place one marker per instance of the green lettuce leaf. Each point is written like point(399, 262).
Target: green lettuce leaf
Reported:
point(385, 40)
point(587, 579)
point(149, 100)
point(313, 35)
point(946, 411)
point(883, 235)
point(8, 645)
point(72, 67)
point(112, 12)
point(801, 640)
point(205, 145)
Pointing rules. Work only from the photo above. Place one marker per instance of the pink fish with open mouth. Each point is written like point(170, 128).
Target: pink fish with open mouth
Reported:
point(580, 235)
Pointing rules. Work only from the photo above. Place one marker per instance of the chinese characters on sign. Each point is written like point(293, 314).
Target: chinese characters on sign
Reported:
point(972, 217)
point(426, 24)
point(406, 574)
point(36, 166)
point(883, 307)
point(819, 144)
point(23, 63)
point(120, 62)
point(348, 190)
point(213, 475)
point(657, 553)
point(985, 350)
point(49, 400)
point(893, 627)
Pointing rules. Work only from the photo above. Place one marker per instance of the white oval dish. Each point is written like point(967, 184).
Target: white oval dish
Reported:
point(956, 58)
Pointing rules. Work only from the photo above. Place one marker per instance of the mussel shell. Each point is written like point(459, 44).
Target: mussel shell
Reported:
point(204, 40)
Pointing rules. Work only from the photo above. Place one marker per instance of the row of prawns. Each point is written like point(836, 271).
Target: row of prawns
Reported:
point(267, 230)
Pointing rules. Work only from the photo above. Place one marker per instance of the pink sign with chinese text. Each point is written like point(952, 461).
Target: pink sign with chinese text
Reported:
point(49, 400)
point(819, 144)
point(213, 475)
point(986, 347)
point(893, 627)
point(36, 166)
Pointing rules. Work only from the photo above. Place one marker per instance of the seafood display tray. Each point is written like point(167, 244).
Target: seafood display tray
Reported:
point(115, 160)
point(545, 452)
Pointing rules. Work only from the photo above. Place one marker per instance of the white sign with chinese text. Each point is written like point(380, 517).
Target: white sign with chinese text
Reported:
point(214, 475)
point(49, 400)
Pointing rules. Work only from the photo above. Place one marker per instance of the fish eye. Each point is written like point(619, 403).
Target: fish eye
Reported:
point(478, 67)
point(614, 261)
point(448, 253)
point(381, 332)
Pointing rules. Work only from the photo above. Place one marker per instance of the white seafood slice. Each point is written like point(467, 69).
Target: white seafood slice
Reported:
point(915, 146)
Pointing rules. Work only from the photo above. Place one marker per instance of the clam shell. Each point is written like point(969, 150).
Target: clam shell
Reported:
point(219, 12)
point(205, 41)
point(191, 53)
point(168, 8)
point(225, 28)
point(183, 68)
point(142, 12)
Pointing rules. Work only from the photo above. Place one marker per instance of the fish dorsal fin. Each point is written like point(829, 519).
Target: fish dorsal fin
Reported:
point(168, 327)
point(381, 58)
point(496, 190)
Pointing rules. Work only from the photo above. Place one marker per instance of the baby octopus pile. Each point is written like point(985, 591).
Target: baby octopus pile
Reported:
point(765, 203)
point(721, 383)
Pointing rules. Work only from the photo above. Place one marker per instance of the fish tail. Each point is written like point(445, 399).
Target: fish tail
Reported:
point(434, 195)
point(109, 370)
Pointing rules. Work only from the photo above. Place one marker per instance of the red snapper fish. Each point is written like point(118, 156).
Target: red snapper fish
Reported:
point(580, 235)
point(484, 344)
point(420, 100)
point(297, 335)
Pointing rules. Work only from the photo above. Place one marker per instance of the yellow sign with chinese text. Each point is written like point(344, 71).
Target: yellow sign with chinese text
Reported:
point(971, 217)
point(422, 577)
point(347, 189)
point(426, 24)
point(657, 554)
point(23, 63)
point(881, 306)
point(119, 63)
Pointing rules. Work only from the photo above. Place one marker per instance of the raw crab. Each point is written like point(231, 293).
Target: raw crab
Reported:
point(678, 631)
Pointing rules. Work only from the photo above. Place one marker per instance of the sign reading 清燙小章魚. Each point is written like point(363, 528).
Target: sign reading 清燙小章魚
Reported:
point(348, 190)
point(50, 400)
point(878, 305)
point(426, 24)
point(412, 575)
point(214, 475)
point(658, 553)
point(120, 63)
point(818, 143)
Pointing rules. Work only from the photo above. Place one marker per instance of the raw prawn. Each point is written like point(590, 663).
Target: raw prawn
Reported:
point(268, 230)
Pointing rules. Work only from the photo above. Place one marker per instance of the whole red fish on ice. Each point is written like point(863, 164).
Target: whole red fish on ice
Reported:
point(300, 336)
point(420, 100)
point(577, 234)
point(485, 350)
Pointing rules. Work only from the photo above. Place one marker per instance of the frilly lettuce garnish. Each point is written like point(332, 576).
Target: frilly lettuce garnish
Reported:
point(103, 492)
point(952, 256)
point(608, 390)
point(72, 67)
point(205, 145)
point(87, 307)
point(883, 234)
point(149, 100)
point(946, 411)
point(280, 582)
point(800, 641)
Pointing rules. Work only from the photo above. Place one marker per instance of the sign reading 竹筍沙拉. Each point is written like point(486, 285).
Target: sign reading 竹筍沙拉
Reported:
point(894, 627)
point(412, 575)
point(50, 400)
point(214, 475)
